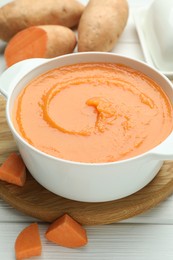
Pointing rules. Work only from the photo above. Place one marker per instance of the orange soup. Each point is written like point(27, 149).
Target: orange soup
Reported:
point(93, 112)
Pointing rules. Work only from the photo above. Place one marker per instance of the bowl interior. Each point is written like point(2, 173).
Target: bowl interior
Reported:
point(83, 58)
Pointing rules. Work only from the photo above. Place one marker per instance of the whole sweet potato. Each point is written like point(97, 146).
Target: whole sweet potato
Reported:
point(101, 24)
point(21, 14)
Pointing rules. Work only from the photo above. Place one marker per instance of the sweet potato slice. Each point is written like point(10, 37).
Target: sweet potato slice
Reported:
point(13, 170)
point(65, 231)
point(28, 242)
point(46, 41)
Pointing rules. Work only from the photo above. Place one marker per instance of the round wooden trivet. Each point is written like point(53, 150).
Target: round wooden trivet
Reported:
point(36, 201)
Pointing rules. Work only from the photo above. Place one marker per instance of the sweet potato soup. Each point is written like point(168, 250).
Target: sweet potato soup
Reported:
point(93, 112)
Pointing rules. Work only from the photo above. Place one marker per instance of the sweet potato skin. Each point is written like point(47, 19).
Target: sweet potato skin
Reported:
point(21, 14)
point(101, 24)
point(61, 40)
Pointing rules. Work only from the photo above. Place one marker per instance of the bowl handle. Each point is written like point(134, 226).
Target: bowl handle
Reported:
point(18, 70)
point(164, 151)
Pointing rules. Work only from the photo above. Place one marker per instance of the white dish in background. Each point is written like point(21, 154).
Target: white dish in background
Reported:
point(155, 30)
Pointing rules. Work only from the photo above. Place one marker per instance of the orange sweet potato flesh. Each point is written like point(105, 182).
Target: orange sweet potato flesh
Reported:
point(46, 41)
point(28, 242)
point(13, 170)
point(65, 231)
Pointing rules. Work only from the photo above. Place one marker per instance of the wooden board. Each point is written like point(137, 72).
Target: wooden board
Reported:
point(38, 202)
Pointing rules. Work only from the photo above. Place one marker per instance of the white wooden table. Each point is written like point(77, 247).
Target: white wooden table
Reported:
point(145, 237)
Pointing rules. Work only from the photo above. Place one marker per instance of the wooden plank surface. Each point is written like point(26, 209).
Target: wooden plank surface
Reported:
point(113, 242)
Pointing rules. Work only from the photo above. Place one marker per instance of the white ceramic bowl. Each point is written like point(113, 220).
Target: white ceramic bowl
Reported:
point(89, 182)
